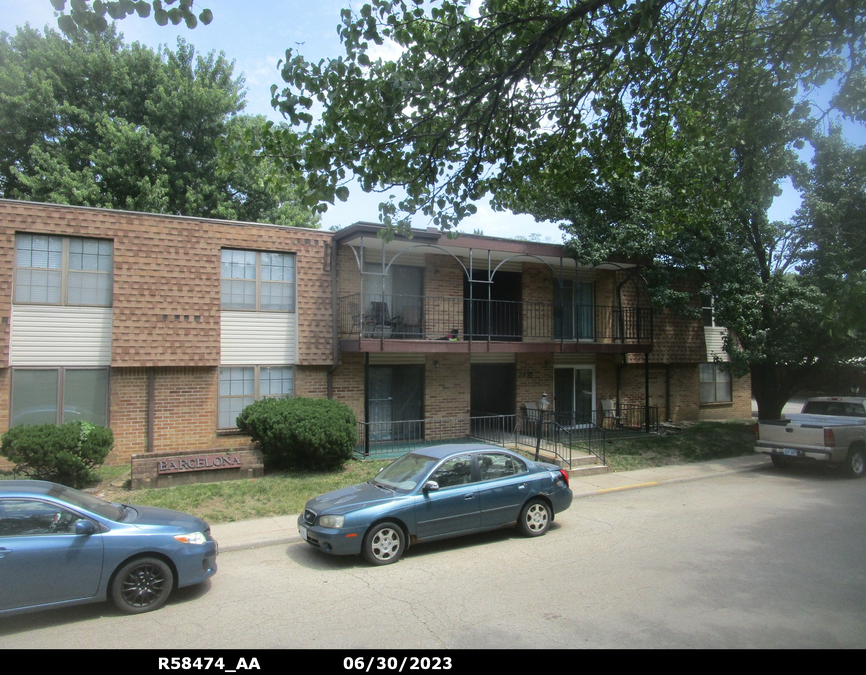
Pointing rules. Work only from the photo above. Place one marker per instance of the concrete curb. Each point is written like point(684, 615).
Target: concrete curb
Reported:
point(670, 481)
point(282, 530)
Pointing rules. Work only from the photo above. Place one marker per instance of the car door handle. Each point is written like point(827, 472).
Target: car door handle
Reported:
point(5, 551)
point(521, 486)
point(468, 497)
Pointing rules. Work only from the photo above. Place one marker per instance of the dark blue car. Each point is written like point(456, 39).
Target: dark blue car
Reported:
point(434, 493)
point(60, 547)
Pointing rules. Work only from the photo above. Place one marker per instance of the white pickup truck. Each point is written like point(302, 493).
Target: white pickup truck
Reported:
point(830, 429)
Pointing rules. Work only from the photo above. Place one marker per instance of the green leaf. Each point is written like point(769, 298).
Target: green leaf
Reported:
point(342, 193)
point(206, 17)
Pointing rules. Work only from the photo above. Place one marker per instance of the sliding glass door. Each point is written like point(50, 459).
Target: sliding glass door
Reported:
point(574, 395)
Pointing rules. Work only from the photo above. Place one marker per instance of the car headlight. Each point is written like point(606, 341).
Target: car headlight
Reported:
point(332, 521)
point(192, 538)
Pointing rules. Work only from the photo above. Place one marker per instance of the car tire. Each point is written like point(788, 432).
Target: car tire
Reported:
point(780, 462)
point(142, 585)
point(855, 464)
point(384, 544)
point(535, 518)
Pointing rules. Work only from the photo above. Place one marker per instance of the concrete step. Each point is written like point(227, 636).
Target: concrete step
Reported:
point(581, 463)
point(588, 470)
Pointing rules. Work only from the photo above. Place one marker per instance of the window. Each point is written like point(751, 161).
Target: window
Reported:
point(495, 465)
point(27, 518)
point(707, 310)
point(258, 281)
point(715, 384)
point(454, 471)
point(574, 310)
point(59, 395)
point(63, 270)
point(241, 386)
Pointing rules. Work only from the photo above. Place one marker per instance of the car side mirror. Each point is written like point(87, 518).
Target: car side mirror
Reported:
point(431, 486)
point(84, 526)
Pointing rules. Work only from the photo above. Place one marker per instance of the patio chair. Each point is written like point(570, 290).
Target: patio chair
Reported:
point(355, 311)
point(609, 412)
point(381, 321)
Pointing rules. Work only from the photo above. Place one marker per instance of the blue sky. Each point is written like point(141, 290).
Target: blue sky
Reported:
point(256, 34)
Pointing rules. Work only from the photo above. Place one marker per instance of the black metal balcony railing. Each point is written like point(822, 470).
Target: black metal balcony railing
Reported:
point(446, 318)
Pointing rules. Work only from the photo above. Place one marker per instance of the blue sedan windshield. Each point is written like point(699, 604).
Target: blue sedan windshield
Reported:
point(88, 502)
point(404, 474)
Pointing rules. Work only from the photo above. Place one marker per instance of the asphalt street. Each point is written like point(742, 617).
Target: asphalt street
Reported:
point(742, 559)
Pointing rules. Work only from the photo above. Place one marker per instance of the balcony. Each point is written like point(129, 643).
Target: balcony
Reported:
point(407, 323)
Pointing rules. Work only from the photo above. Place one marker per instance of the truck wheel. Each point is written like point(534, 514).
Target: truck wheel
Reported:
point(780, 462)
point(855, 465)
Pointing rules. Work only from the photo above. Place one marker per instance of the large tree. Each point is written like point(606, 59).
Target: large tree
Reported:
point(657, 127)
point(654, 127)
point(90, 121)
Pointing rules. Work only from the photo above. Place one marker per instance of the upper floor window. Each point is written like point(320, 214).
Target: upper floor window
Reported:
point(258, 281)
point(707, 310)
point(63, 270)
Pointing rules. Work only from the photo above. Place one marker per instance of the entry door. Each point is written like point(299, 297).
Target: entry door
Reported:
point(395, 402)
point(574, 395)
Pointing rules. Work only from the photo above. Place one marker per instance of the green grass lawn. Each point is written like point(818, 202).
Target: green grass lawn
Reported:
point(697, 442)
point(280, 494)
point(276, 494)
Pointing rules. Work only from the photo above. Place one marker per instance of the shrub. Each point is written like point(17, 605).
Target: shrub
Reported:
point(301, 433)
point(67, 454)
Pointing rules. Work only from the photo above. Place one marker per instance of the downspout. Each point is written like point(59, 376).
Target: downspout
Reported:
point(646, 390)
point(667, 392)
point(367, 403)
point(335, 336)
point(151, 407)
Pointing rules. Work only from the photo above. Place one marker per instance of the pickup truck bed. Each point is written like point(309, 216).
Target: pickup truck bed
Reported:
point(837, 435)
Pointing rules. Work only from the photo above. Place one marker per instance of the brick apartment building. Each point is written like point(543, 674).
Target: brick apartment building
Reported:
point(165, 327)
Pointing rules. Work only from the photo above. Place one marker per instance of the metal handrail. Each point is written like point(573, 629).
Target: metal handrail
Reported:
point(413, 317)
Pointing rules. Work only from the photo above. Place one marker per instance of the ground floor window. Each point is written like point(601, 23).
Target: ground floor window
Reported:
point(715, 384)
point(59, 395)
point(242, 385)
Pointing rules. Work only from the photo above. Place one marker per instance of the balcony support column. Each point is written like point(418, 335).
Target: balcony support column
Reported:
point(646, 390)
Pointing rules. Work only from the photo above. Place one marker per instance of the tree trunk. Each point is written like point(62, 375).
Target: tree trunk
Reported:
point(772, 386)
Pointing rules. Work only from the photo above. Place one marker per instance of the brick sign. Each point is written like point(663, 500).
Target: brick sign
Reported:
point(199, 463)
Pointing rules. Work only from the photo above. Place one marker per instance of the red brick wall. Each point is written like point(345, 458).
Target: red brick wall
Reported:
point(5, 384)
point(169, 267)
point(534, 377)
point(348, 383)
point(443, 278)
point(685, 393)
point(7, 271)
point(537, 295)
point(446, 391)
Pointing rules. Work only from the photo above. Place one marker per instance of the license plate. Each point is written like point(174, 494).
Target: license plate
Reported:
point(304, 533)
point(790, 452)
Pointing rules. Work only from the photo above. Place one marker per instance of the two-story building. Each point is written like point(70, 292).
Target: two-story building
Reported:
point(429, 328)
point(165, 327)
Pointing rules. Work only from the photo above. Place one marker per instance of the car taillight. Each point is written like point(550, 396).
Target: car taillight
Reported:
point(757, 432)
point(564, 475)
point(829, 438)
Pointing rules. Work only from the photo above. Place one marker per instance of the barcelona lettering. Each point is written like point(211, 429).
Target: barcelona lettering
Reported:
point(198, 463)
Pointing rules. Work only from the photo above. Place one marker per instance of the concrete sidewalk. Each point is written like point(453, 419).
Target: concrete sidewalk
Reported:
point(284, 529)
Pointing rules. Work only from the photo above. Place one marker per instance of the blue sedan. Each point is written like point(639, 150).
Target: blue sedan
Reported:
point(60, 547)
point(434, 493)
